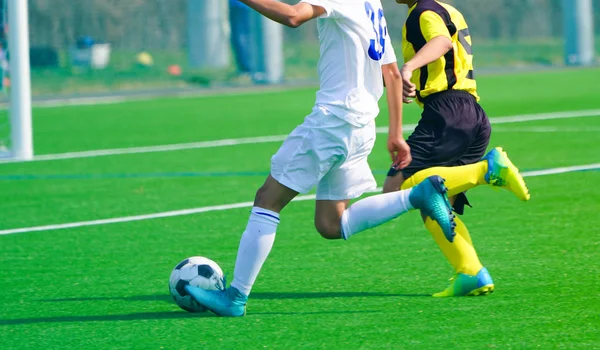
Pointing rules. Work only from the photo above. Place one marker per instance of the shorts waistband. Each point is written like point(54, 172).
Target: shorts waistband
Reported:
point(446, 94)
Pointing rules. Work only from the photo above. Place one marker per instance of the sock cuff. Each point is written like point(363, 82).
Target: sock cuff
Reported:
point(344, 225)
point(405, 199)
point(265, 215)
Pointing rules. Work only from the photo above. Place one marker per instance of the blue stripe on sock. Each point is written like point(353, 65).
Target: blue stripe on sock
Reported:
point(267, 214)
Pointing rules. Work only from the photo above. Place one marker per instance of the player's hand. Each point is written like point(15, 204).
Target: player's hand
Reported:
point(409, 90)
point(399, 151)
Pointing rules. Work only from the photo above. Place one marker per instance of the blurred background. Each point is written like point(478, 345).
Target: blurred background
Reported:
point(110, 46)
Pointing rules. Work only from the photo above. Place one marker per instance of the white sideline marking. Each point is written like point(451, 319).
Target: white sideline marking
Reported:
point(77, 101)
point(545, 129)
point(533, 117)
point(164, 148)
point(239, 205)
point(152, 95)
point(554, 171)
point(279, 138)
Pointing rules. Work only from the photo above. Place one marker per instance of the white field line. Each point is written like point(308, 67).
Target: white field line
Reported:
point(76, 101)
point(237, 206)
point(545, 129)
point(152, 95)
point(279, 138)
point(533, 117)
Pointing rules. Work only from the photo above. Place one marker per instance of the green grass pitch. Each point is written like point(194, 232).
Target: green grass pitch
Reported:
point(105, 286)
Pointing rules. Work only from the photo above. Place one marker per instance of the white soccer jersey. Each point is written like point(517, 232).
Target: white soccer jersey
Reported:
point(354, 45)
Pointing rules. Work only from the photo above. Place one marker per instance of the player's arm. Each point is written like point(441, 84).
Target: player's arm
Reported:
point(289, 15)
point(397, 146)
point(439, 42)
point(431, 52)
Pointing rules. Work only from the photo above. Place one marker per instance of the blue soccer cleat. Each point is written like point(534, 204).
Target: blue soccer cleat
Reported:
point(228, 302)
point(503, 173)
point(430, 196)
point(466, 285)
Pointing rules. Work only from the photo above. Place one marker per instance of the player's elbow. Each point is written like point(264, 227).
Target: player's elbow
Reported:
point(294, 21)
point(391, 74)
point(299, 14)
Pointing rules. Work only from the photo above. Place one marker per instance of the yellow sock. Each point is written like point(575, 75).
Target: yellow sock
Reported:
point(461, 253)
point(458, 178)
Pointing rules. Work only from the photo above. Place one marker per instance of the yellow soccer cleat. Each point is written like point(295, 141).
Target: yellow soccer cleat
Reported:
point(466, 285)
point(503, 173)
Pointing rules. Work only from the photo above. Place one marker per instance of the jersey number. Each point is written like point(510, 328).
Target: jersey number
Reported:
point(462, 38)
point(377, 47)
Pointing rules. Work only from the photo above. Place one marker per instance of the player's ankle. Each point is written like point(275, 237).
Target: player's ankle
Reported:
point(482, 172)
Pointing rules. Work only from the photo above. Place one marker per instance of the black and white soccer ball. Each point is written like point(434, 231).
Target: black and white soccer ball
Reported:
point(196, 271)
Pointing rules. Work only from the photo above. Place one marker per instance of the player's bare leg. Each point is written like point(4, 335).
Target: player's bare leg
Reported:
point(334, 219)
point(255, 246)
point(328, 216)
point(273, 196)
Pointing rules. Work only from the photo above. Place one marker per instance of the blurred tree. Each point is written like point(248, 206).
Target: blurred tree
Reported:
point(161, 24)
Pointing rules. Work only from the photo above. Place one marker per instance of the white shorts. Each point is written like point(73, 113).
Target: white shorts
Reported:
point(327, 152)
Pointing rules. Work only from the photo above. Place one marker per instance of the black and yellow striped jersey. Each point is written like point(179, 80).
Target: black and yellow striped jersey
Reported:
point(428, 19)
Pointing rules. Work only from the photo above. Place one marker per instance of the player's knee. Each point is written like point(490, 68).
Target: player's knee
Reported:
point(261, 195)
point(328, 230)
point(267, 199)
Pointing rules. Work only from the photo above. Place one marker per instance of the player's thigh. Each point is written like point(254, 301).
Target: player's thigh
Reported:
point(353, 177)
point(328, 215)
point(443, 135)
point(481, 139)
point(427, 150)
point(307, 154)
point(347, 180)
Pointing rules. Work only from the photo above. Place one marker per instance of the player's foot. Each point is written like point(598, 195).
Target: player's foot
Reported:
point(503, 173)
point(430, 197)
point(467, 285)
point(228, 302)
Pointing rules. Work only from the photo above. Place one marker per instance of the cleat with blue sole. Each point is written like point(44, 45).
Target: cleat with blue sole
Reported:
point(468, 285)
point(228, 302)
point(503, 173)
point(430, 196)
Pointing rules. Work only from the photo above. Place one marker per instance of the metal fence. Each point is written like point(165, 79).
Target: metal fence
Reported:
point(149, 40)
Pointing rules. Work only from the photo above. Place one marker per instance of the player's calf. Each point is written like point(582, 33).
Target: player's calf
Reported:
point(328, 215)
point(329, 230)
point(429, 197)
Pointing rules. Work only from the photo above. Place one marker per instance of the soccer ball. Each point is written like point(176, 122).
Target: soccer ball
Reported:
point(196, 271)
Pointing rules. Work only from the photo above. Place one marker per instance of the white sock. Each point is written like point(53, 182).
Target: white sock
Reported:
point(374, 211)
point(255, 246)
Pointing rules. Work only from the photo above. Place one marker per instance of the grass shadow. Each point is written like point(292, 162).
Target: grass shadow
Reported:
point(255, 296)
point(299, 313)
point(155, 297)
point(161, 316)
point(325, 295)
point(105, 318)
point(182, 315)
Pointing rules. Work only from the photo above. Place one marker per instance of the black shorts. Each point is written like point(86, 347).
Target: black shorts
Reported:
point(453, 130)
